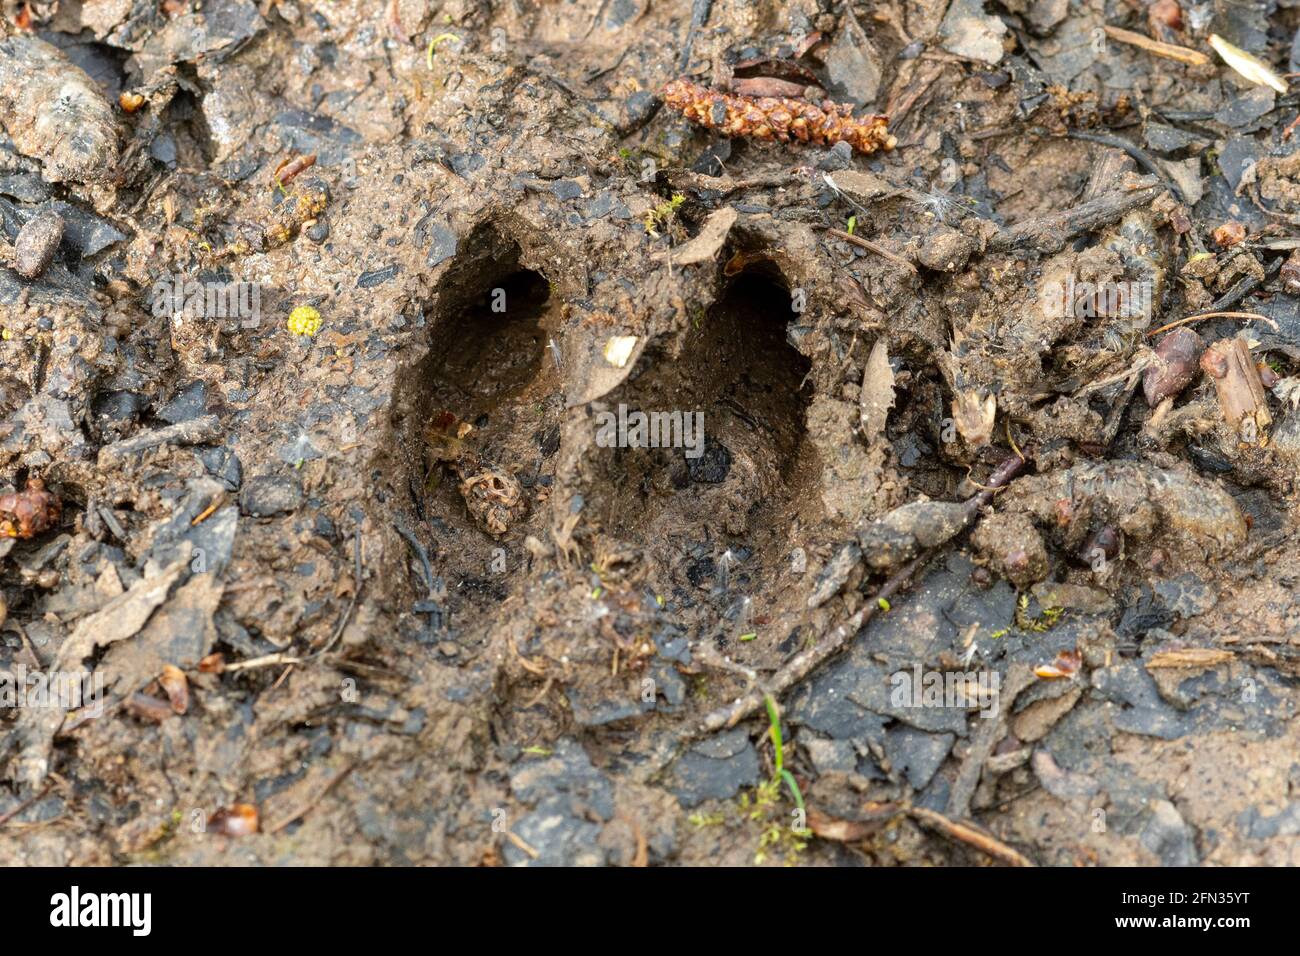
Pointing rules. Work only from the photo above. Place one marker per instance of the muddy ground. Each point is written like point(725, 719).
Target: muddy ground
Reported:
point(380, 594)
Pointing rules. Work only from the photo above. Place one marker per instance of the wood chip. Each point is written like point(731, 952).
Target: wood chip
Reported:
point(1241, 394)
point(877, 396)
point(1196, 657)
point(711, 238)
point(1168, 50)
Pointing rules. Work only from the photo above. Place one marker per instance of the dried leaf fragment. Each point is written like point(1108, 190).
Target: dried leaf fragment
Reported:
point(619, 349)
point(1247, 65)
point(1066, 665)
point(877, 395)
point(974, 415)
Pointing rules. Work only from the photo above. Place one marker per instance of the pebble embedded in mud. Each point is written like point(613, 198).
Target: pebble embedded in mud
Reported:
point(1180, 507)
point(268, 495)
point(37, 242)
point(907, 530)
point(1013, 547)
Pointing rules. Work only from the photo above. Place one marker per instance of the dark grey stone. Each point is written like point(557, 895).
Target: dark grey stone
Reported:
point(1167, 835)
point(442, 244)
point(568, 773)
point(268, 495)
point(189, 403)
point(916, 753)
point(368, 280)
point(839, 156)
point(223, 464)
point(715, 769)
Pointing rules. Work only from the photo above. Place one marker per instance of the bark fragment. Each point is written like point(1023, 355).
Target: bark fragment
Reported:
point(1241, 392)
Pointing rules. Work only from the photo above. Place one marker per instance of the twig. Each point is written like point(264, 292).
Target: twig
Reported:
point(209, 511)
point(965, 833)
point(1212, 315)
point(873, 247)
point(806, 661)
point(990, 731)
point(522, 844)
point(266, 660)
point(193, 432)
point(1050, 233)
point(10, 814)
point(1141, 362)
point(309, 805)
point(1168, 50)
point(1141, 156)
point(356, 594)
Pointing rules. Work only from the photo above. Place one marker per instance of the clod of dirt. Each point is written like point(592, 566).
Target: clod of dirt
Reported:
point(54, 112)
point(1013, 547)
point(37, 242)
point(907, 530)
point(1183, 509)
point(301, 208)
point(495, 500)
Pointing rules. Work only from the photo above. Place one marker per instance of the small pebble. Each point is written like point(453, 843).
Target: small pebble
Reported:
point(37, 242)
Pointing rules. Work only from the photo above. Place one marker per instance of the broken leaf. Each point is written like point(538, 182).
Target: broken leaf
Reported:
point(1248, 66)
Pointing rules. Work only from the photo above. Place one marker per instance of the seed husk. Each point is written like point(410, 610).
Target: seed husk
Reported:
point(1175, 366)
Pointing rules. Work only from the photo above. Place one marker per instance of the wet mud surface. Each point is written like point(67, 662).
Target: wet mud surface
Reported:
point(374, 567)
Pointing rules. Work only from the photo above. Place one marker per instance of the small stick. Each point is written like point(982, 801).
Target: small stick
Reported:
point(1050, 233)
point(964, 833)
point(1141, 362)
point(209, 511)
point(356, 594)
point(1212, 315)
point(806, 661)
point(193, 432)
point(10, 814)
point(522, 844)
point(1168, 50)
point(307, 807)
point(1140, 156)
point(114, 525)
point(985, 739)
point(266, 660)
point(873, 247)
